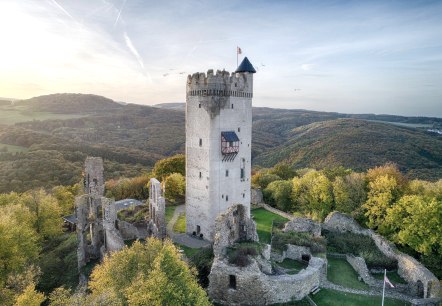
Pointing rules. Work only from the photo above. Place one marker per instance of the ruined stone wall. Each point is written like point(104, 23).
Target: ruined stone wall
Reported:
point(129, 231)
point(256, 288)
point(93, 176)
point(303, 225)
point(256, 196)
point(232, 226)
point(294, 252)
point(408, 268)
point(157, 210)
point(358, 263)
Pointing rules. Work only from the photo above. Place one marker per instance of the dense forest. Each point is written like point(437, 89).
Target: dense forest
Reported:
point(44, 140)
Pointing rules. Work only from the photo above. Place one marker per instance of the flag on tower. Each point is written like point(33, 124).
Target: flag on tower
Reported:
point(388, 281)
point(238, 50)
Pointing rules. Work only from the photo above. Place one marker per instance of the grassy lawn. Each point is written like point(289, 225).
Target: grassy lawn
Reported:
point(169, 213)
point(327, 297)
point(341, 273)
point(180, 224)
point(392, 276)
point(11, 148)
point(189, 252)
point(294, 266)
point(263, 219)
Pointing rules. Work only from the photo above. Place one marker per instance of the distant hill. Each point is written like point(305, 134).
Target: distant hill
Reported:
point(175, 106)
point(68, 103)
point(56, 132)
point(359, 144)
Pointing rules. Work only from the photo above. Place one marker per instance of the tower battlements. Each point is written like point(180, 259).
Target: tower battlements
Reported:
point(222, 84)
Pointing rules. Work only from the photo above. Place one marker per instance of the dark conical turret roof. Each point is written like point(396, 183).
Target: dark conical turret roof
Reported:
point(245, 66)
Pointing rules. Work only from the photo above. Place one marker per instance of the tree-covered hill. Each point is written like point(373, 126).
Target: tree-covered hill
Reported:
point(58, 131)
point(68, 103)
point(360, 145)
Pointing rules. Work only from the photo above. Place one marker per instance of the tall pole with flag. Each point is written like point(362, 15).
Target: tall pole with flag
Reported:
point(238, 52)
point(386, 280)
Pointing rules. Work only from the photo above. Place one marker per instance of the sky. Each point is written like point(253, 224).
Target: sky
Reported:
point(382, 57)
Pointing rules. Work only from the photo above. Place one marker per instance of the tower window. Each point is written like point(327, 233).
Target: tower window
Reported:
point(227, 172)
point(199, 105)
point(232, 106)
point(239, 130)
point(243, 169)
point(201, 175)
point(243, 195)
point(227, 198)
point(201, 142)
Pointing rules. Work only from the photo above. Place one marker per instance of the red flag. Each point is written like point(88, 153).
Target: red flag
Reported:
point(388, 281)
point(238, 50)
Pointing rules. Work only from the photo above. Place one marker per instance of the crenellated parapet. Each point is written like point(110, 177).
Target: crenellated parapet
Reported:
point(221, 84)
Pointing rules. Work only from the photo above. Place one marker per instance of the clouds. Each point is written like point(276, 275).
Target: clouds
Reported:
point(369, 55)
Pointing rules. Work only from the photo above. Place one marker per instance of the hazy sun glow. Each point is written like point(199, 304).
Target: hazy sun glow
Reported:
point(342, 56)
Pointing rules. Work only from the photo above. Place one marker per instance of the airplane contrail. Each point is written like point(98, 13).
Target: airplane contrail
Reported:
point(62, 9)
point(132, 49)
point(119, 12)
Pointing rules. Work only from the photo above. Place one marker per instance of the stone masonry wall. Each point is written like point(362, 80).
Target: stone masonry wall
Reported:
point(232, 226)
point(256, 288)
point(303, 225)
point(294, 252)
point(408, 268)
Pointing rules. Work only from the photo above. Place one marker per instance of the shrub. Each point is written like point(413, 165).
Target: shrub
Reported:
point(281, 239)
point(359, 245)
point(239, 253)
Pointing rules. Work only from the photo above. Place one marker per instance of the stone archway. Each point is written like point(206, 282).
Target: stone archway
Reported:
point(420, 289)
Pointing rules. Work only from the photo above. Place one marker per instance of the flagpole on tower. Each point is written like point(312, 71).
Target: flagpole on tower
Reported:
point(238, 52)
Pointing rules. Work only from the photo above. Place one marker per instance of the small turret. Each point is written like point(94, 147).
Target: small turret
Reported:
point(245, 66)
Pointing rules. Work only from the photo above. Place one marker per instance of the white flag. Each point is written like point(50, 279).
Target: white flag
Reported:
point(388, 281)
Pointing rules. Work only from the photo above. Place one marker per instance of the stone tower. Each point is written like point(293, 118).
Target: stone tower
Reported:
point(218, 145)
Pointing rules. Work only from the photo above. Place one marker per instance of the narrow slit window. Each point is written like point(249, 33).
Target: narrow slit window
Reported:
point(201, 142)
point(232, 281)
point(227, 173)
point(227, 198)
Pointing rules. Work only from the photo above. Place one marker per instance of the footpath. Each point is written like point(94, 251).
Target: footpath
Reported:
point(182, 238)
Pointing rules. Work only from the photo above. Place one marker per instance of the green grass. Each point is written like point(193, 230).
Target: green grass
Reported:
point(180, 224)
point(263, 219)
point(327, 297)
point(11, 148)
point(293, 266)
point(189, 252)
point(392, 276)
point(13, 114)
point(340, 272)
point(169, 213)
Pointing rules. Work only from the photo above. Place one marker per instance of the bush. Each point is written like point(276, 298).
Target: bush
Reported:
point(359, 245)
point(281, 239)
point(202, 261)
point(239, 253)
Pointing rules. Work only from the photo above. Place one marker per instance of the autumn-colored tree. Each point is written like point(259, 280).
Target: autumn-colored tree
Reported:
point(18, 240)
point(278, 193)
point(165, 167)
point(30, 297)
point(175, 185)
point(45, 211)
point(125, 188)
point(171, 282)
point(382, 194)
point(417, 222)
point(263, 178)
point(137, 274)
point(312, 194)
point(65, 196)
point(349, 192)
point(284, 170)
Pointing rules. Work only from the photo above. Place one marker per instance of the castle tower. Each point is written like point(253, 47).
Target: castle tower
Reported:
point(218, 145)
